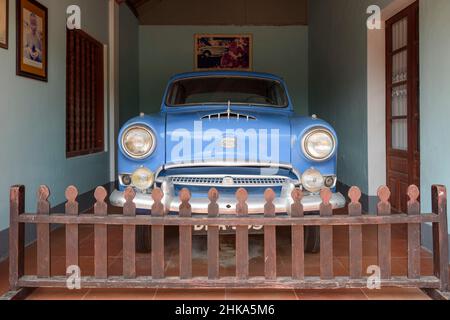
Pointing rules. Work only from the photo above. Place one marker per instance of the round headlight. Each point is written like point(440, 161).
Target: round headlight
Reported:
point(143, 178)
point(312, 180)
point(138, 142)
point(319, 144)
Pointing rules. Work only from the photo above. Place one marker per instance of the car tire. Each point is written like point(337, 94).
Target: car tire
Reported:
point(143, 239)
point(312, 239)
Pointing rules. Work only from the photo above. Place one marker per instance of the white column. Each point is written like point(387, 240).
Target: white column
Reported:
point(113, 92)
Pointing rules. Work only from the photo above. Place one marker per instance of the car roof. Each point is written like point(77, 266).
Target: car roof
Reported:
point(186, 75)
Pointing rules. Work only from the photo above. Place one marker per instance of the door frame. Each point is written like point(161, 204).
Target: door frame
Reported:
point(412, 154)
point(376, 101)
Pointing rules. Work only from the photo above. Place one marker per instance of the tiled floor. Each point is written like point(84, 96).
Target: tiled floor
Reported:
point(399, 266)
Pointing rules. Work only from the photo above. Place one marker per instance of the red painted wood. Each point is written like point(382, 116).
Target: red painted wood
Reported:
point(72, 237)
point(157, 236)
point(185, 237)
point(242, 236)
point(355, 235)
point(16, 236)
point(43, 234)
point(129, 237)
point(298, 237)
point(213, 236)
point(100, 236)
point(384, 234)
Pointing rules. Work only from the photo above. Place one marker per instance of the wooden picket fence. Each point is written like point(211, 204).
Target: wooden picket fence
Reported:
point(185, 220)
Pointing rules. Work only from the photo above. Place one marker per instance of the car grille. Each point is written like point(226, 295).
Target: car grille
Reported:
point(228, 115)
point(230, 181)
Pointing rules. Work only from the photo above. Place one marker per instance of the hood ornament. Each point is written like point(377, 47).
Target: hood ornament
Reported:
point(229, 114)
point(229, 109)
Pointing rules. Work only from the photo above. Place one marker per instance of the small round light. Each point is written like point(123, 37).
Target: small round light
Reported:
point(329, 182)
point(319, 144)
point(312, 180)
point(143, 179)
point(126, 179)
point(138, 142)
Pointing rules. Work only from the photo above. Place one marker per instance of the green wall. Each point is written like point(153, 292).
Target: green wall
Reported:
point(128, 65)
point(435, 96)
point(167, 50)
point(33, 115)
point(338, 79)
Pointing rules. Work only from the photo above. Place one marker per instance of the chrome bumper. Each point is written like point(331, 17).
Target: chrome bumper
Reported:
point(227, 204)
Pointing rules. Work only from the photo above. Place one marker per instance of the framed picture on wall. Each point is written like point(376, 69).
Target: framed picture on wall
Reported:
point(32, 40)
point(4, 23)
point(223, 52)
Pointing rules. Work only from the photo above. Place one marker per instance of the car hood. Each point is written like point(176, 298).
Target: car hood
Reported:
point(228, 134)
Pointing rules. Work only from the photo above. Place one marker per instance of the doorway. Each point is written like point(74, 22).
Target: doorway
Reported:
point(402, 104)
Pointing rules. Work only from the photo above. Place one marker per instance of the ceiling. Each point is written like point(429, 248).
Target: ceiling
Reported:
point(219, 12)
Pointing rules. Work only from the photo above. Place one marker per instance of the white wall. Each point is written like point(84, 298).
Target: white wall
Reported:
point(33, 115)
point(376, 98)
point(167, 50)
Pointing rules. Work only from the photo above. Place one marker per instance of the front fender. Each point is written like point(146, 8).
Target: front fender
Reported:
point(299, 127)
point(157, 123)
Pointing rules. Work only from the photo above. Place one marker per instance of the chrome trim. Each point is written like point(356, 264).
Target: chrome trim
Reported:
point(236, 181)
point(227, 204)
point(311, 132)
point(121, 178)
point(228, 164)
point(149, 131)
point(228, 115)
point(334, 180)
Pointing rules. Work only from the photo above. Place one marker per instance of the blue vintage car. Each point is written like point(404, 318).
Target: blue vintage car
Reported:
point(227, 130)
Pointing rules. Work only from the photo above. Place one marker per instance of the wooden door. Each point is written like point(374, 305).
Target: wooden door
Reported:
point(402, 112)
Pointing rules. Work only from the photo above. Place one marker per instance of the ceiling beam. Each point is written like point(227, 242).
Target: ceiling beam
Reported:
point(132, 5)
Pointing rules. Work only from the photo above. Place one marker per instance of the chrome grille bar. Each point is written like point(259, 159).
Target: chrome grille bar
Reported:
point(230, 181)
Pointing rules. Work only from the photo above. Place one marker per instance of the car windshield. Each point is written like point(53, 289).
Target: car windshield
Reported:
point(222, 90)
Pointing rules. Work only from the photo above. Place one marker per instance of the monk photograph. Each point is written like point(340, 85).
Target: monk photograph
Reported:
point(32, 40)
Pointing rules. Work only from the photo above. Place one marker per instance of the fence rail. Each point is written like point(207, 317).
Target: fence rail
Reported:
point(158, 220)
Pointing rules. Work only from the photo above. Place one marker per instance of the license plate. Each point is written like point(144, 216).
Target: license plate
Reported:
point(226, 229)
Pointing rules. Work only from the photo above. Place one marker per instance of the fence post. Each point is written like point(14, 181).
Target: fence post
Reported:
point(384, 234)
point(157, 236)
point(16, 236)
point(440, 235)
point(43, 234)
point(101, 235)
point(213, 236)
point(185, 236)
point(298, 237)
point(270, 238)
point(355, 234)
point(242, 236)
point(72, 245)
point(129, 236)
point(326, 237)
point(413, 234)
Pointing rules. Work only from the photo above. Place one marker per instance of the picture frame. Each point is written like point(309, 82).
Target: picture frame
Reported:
point(32, 40)
point(4, 24)
point(223, 52)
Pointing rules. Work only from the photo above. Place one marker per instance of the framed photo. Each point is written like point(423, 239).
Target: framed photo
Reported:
point(4, 23)
point(223, 52)
point(32, 40)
